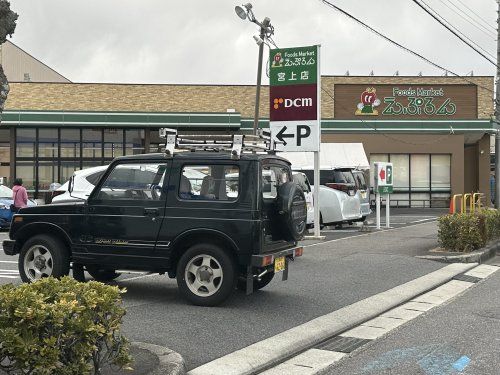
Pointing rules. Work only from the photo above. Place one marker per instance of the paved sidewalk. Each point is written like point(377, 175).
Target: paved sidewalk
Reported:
point(461, 337)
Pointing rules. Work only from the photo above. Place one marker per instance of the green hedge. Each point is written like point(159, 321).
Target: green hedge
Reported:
point(468, 231)
point(61, 327)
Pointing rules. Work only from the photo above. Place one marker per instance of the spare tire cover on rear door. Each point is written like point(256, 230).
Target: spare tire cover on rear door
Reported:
point(293, 209)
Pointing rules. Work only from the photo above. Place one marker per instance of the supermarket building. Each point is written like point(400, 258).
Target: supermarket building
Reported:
point(436, 130)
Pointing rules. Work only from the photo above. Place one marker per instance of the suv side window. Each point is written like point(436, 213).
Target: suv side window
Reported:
point(273, 176)
point(138, 181)
point(210, 182)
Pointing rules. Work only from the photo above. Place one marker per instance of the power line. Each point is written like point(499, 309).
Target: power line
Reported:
point(477, 15)
point(467, 18)
point(452, 31)
point(345, 13)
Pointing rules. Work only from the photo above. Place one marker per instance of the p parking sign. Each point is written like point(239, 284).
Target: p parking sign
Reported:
point(383, 177)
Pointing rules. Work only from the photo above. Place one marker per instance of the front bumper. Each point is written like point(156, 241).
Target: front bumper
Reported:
point(9, 247)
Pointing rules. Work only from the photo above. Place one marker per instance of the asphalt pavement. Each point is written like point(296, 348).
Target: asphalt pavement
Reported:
point(460, 337)
point(345, 268)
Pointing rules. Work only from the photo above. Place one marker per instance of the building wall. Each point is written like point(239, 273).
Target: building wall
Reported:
point(198, 98)
point(17, 63)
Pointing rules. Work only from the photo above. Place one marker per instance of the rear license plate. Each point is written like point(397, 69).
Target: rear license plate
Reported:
point(363, 195)
point(279, 264)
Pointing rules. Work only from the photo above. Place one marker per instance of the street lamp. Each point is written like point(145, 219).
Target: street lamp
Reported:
point(266, 30)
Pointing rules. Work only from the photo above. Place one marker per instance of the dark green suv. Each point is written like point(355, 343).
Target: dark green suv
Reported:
point(214, 220)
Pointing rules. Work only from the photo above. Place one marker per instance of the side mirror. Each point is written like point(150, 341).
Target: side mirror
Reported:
point(71, 184)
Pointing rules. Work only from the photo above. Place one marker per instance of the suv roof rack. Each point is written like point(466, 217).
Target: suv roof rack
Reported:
point(235, 143)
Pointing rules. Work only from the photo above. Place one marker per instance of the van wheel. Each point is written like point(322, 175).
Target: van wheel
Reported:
point(102, 274)
point(43, 256)
point(206, 275)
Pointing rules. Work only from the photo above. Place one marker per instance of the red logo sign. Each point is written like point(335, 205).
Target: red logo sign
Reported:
point(293, 103)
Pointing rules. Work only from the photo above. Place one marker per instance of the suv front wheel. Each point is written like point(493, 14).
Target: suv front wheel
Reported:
point(206, 275)
point(43, 256)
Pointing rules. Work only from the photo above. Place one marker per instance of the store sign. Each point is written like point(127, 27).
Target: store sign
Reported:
point(407, 102)
point(294, 98)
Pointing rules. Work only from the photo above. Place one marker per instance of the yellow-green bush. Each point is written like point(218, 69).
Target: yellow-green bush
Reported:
point(468, 231)
point(61, 327)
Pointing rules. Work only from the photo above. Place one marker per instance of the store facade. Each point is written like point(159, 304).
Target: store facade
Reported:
point(436, 130)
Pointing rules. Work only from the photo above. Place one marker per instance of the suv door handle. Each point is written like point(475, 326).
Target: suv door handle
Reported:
point(151, 212)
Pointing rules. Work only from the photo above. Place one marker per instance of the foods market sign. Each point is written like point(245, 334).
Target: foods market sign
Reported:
point(405, 102)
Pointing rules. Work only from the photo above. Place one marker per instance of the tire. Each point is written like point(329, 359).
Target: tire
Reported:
point(257, 285)
point(293, 210)
point(43, 256)
point(206, 275)
point(102, 274)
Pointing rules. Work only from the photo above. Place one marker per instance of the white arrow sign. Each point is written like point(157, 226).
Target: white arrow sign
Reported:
point(295, 135)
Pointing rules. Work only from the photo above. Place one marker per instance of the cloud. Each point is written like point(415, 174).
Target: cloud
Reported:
point(195, 41)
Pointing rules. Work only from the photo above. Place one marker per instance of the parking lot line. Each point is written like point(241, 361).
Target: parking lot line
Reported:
point(363, 235)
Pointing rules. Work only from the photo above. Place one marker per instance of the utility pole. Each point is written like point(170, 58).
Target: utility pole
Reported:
point(497, 116)
point(263, 30)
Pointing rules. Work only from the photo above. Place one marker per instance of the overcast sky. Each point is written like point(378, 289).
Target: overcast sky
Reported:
point(203, 41)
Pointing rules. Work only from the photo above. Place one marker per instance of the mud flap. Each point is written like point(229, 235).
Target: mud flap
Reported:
point(249, 281)
point(78, 272)
point(284, 277)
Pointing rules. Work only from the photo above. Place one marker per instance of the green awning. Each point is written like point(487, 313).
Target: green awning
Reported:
point(219, 121)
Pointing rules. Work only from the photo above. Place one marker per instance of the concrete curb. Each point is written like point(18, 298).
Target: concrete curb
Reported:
point(171, 363)
point(478, 256)
point(266, 353)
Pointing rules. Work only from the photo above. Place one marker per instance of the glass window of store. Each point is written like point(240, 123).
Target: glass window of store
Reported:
point(92, 143)
point(420, 180)
point(47, 155)
point(134, 141)
point(70, 143)
point(27, 171)
point(25, 142)
point(48, 143)
point(5, 156)
point(113, 143)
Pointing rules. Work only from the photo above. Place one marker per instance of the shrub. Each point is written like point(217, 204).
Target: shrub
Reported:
point(61, 327)
point(468, 231)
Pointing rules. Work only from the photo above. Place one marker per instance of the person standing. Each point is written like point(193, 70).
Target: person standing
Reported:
point(19, 195)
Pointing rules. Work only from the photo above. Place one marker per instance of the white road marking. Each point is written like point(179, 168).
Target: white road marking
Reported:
point(362, 235)
point(9, 274)
point(140, 277)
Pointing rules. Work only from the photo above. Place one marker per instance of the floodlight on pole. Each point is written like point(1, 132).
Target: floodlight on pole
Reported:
point(266, 30)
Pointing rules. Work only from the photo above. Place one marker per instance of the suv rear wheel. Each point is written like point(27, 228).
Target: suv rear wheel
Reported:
point(206, 275)
point(43, 256)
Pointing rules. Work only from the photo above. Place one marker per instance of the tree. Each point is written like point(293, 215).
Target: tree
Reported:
point(7, 26)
